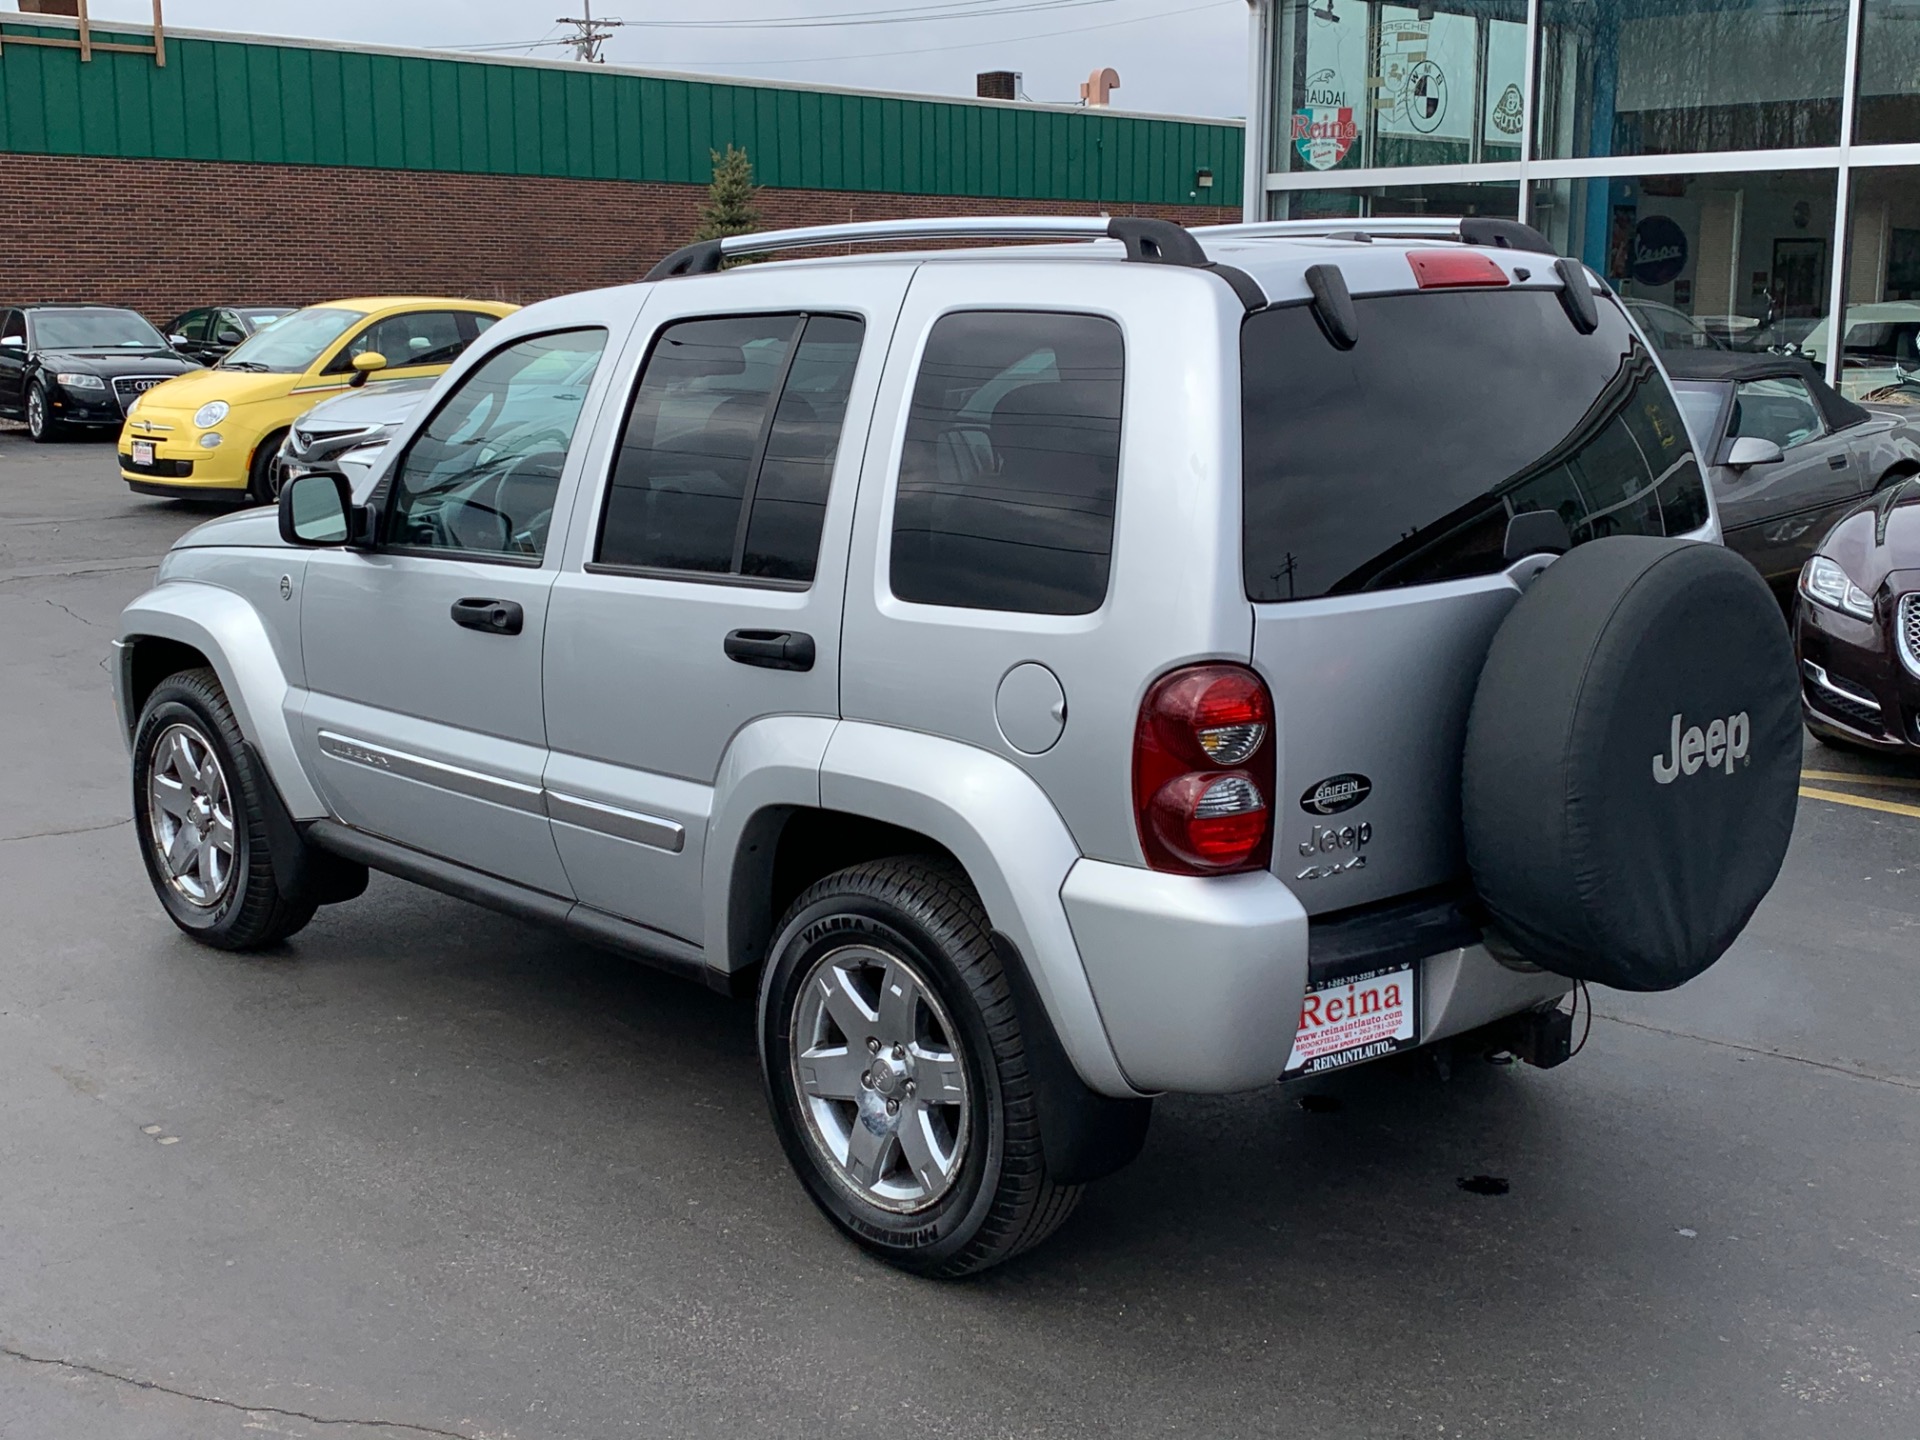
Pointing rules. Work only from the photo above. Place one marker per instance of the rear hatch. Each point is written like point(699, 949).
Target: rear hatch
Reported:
point(1379, 483)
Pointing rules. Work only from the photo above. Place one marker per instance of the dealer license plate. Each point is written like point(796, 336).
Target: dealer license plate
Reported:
point(143, 452)
point(1355, 1018)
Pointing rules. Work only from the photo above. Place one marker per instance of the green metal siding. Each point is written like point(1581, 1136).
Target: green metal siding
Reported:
point(296, 105)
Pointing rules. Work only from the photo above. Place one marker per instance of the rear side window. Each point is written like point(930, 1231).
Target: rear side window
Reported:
point(1011, 464)
point(728, 448)
point(1400, 461)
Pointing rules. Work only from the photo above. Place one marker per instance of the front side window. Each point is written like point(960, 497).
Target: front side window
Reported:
point(728, 448)
point(1011, 464)
point(482, 477)
point(293, 344)
point(192, 325)
point(13, 326)
point(1400, 461)
point(1780, 410)
point(426, 337)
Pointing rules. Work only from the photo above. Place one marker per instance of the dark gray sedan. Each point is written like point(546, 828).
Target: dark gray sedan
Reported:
point(1787, 454)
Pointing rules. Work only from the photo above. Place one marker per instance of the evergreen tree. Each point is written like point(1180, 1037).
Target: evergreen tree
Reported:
point(729, 209)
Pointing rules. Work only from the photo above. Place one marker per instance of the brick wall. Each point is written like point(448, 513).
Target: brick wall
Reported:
point(163, 236)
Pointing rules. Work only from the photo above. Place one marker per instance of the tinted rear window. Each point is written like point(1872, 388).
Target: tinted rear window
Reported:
point(1400, 461)
point(1011, 462)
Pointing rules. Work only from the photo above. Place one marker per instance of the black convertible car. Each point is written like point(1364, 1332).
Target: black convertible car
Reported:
point(78, 365)
point(1786, 455)
point(1858, 626)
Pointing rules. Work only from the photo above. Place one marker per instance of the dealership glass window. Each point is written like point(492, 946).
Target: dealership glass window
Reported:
point(1735, 262)
point(1888, 107)
point(1359, 83)
point(1627, 77)
point(1880, 358)
point(1462, 197)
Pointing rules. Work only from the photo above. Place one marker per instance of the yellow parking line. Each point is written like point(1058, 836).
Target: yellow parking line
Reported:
point(1854, 777)
point(1861, 801)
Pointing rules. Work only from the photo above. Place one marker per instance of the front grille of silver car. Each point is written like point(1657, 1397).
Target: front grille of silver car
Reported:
point(327, 438)
point(1910, 631)
point(129, 388)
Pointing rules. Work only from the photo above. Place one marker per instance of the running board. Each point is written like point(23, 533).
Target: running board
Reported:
point(583, 922)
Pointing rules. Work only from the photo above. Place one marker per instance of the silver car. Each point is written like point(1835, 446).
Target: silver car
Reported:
point(1042, 678)
point(348, 432)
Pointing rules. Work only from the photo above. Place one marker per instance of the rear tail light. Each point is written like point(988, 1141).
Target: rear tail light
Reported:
point(1450, 269)
point(1203, 771)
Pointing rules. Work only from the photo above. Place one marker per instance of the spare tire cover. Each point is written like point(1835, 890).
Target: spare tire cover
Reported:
point(1633, 761)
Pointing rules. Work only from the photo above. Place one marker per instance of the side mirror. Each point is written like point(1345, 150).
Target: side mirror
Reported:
point(230, 337)
point(178, 342)
point(1750, 450)
point(317, 509)
point(19, 340)
point(365, 365)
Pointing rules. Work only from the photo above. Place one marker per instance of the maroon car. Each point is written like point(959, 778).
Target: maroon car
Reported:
point(1857, 626)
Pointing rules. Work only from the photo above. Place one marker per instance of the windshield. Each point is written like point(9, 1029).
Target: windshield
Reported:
point(1400, 461)
point(94, 330)
point(260, 319)
point(1700, 402)
point(291, 345)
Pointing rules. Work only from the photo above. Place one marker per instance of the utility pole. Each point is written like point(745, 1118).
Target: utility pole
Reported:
point(589, 34)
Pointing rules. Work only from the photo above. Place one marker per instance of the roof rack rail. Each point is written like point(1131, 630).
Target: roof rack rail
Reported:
point(1468, 229)
point(1154, 242)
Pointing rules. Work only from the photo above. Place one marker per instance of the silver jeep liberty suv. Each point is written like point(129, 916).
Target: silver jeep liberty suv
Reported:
point(1047, 676)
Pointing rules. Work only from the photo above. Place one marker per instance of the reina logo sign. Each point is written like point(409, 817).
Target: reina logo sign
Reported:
point(1717, 747)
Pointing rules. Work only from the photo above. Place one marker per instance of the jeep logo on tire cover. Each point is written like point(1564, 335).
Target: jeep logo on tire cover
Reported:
point(1719, 746)
point(1336, 793)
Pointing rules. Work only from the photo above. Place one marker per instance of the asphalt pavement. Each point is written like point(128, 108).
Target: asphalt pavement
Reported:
point(429, 1171)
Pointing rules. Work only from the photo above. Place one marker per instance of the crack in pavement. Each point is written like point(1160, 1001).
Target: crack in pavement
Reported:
point(1899, 1082)
point(76, 830)
point(58, 606)
point(80, 1367)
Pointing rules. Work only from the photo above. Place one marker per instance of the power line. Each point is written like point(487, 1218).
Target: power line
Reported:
point(919, 15)
point(965, 45)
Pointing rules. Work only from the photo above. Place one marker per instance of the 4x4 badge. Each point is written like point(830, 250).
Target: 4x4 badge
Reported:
point(1336, 793)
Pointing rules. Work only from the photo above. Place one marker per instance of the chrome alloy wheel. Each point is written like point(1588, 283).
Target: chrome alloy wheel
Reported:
point(881, 1079)
point(190, 816)
point(36, 413)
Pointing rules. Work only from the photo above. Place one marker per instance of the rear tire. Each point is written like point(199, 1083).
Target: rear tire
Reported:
point(261, 488)
point(897, 1073)
point(199, 818)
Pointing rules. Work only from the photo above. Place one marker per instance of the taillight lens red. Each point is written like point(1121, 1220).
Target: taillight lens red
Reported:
point(1447, 269)
point(1203, 771)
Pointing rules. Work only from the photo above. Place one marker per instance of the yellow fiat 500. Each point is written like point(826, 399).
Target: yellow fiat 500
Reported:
point(215, 432)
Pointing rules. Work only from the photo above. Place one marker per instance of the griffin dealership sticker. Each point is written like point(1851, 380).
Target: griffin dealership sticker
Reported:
point(1335, 793)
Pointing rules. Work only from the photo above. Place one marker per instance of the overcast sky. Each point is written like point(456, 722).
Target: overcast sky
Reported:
point(1182, 56)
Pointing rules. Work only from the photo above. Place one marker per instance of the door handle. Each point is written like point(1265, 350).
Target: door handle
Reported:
point(495, 617)
point(1836, 462)
point(771, 649)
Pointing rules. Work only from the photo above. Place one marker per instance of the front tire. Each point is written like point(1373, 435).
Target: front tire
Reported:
point(41, 426)
point(198, 815)
point(261, 488)
point(897, 1074)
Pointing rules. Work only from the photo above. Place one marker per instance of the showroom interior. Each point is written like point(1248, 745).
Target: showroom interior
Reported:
point(1739, 168)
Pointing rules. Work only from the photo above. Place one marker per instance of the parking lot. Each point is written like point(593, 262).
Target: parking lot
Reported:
point(433, 1171)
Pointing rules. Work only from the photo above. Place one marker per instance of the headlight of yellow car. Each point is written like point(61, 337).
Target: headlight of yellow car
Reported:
point(210, 414)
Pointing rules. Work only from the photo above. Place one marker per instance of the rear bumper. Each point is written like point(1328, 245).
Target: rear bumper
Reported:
point(1199, 981)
